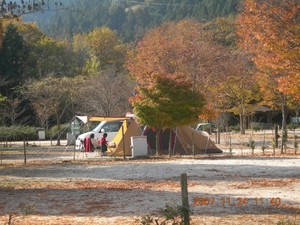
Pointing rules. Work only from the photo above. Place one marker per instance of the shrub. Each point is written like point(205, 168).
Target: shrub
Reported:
point(256, 126)
point(235, 128)
point(252, 145)
point(288, 222)
point(18, 133)
point(170, 215)
point(292, 126)
point(53, 132)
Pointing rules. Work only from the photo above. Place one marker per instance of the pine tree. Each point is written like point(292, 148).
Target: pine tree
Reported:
point(12, 58)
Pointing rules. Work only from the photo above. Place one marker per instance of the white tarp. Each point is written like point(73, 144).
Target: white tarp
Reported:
point(139, 146)
point(84, 119)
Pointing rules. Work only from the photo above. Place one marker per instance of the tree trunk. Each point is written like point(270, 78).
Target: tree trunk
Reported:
point(58, 134)
point(170, 142)
point(284, 117)
point(242, 123)
point(157, 142)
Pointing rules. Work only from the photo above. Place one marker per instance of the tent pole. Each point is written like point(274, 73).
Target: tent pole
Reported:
point(174, 141)
point(206, 144)
point(124, 157)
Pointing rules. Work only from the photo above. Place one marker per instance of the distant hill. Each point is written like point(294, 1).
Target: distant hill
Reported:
point(129, 18)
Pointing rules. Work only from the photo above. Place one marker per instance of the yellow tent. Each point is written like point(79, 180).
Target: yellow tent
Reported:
point(105, 118)
point(122, 140)
point(186, 140)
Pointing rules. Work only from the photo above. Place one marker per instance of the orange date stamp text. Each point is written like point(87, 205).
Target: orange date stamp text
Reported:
point(237, 201)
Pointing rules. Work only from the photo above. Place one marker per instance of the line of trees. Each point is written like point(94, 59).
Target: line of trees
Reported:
point(45, 80)
point(130, 19)
point(177, 73)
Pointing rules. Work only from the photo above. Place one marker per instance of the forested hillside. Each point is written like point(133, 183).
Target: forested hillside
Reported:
point(95, 57)
point(129, 18)
point(77, 41)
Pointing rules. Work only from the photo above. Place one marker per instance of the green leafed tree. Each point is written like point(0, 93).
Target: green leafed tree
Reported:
point(12, 59)
point(167, 104)
point(53, 57)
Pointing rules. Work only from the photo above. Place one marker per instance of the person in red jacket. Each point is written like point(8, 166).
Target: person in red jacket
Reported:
point(103, 143)
point(88, 143)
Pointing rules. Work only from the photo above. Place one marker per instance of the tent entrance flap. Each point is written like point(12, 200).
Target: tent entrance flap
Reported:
point(123, 141)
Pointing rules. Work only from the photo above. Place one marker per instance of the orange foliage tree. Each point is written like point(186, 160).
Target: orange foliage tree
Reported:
point(270, 31)
point(182, 52)
point(238, 90)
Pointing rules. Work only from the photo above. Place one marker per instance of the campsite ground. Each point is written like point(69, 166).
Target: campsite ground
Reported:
point(223, 189)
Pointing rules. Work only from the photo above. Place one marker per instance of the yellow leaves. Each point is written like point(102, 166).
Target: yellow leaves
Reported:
point(102, 40)
point(103, 44)
point(290, 84)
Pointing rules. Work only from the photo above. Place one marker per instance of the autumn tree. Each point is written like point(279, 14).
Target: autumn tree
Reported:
point(99, 48)
point(181, 50)
point(179, 53)
point(223, 31)
point(81, 48)
point(270, 31)
point(238, 92)
point(106, 93)
point(10, 10)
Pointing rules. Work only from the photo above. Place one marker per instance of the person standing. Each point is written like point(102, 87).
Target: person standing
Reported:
point(103, 143)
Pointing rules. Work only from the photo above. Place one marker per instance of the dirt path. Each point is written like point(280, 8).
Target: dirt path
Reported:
point(241, 190)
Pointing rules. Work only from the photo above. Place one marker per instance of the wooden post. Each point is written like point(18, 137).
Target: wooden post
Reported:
point(185, 199)
point(74, 151)
point(24, 146)
point(124, 156)
point(193, 145)
point(230, 149)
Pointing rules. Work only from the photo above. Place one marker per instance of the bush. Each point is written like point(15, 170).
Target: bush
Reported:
point(288, 222)
point(292, 126)
point(256, 126)
point(235, 128)
point(53, 132)
point(18, 133)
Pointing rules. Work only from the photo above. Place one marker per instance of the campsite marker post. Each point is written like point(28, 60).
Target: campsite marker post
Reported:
point(193, 146)
point(276, 136)
point(185, 199)
point(24, 146)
